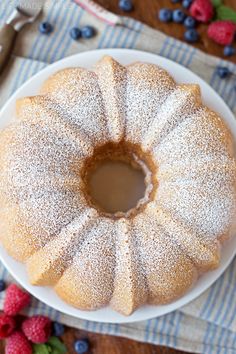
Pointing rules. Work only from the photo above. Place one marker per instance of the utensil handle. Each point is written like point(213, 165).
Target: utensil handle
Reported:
point(7, 39)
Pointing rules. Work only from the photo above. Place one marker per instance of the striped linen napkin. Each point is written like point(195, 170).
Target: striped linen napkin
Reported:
point(208, 324)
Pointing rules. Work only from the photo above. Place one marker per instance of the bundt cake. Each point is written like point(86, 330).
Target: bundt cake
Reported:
point(150, 254)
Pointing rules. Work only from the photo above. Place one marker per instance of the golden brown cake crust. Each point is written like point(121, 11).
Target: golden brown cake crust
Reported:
point(152, 254)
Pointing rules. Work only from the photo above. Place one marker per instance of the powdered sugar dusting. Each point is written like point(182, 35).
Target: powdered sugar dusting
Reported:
point(198, 183)
point(88, 281)
point(201, 135)
point(168, 271)
point(207, 207)
point(179, 105)
point(48, 264)
point(41, 110)
point(112, 81)
point(130, 289)
point(44, 205)
point(151, 256)
point(144, 80)
point(79, 99)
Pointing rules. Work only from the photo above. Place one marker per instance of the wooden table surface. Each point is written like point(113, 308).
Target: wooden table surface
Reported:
point(145, 11)
point(104, 344)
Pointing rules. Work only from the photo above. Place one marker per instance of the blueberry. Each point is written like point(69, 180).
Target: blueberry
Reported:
point(229, 50)
point(186, 3)
point(178, 16)
point(165, 15)
point(2, 285)
point(88, 32)
point(190, 22)
point(126, 5)
point(191, 35)
point(223, 72)
point(45, 27)
point(81, 346)
point(75, 33)
point(58, 329)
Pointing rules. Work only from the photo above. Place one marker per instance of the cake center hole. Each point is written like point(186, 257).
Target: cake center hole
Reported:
point(119, 179)
point(116, 186)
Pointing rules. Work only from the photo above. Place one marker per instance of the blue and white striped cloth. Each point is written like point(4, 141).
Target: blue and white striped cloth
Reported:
point(208, 324)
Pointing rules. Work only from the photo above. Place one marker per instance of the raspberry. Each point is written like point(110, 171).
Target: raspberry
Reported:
point(202, 10)
point(17, 343)
point(222, 32)
point(16, 299)
point(7, 325)
point(37, 329)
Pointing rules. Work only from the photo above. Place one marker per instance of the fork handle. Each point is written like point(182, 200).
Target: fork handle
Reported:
point(7, 39)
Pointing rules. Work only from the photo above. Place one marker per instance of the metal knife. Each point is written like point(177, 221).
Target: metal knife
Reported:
point(25, 12)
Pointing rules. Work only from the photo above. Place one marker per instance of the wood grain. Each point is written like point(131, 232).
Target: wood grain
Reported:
point(104, 344)
point(147, 11)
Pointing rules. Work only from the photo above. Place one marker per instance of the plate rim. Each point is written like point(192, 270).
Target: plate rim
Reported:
point(120, 319)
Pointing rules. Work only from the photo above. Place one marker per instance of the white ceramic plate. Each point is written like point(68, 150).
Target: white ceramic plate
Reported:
point(211, 98)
